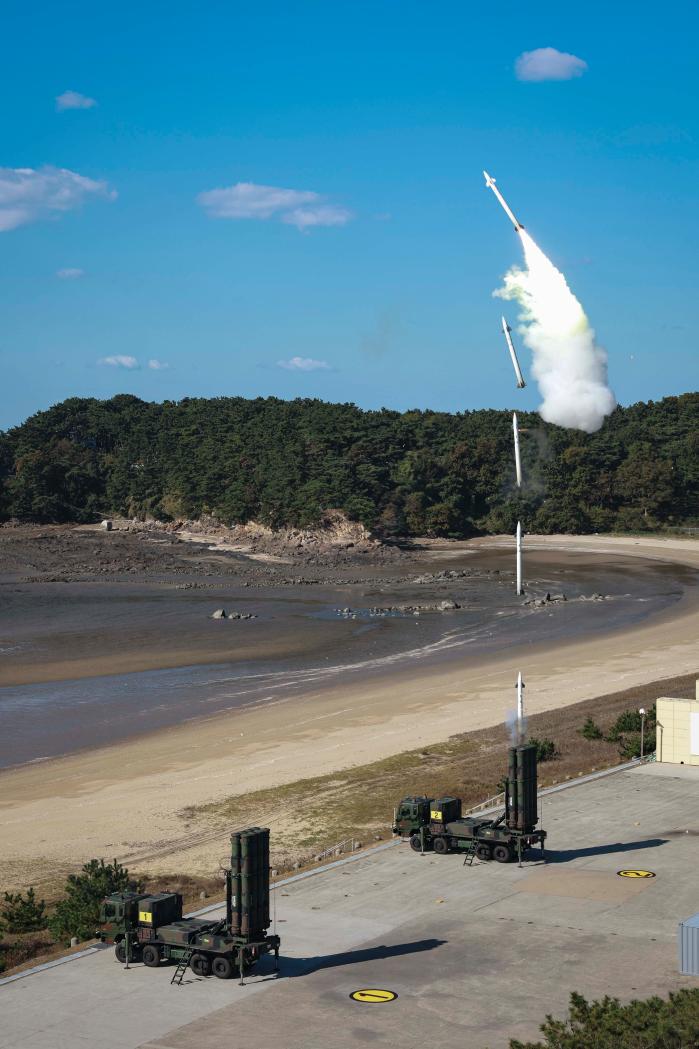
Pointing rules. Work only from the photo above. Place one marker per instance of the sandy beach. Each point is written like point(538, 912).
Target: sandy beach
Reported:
point(128, 800)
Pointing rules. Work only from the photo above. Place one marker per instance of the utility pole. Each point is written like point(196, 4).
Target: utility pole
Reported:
point(642, 712)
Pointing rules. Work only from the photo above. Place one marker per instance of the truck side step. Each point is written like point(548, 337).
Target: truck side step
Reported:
point(182, 966)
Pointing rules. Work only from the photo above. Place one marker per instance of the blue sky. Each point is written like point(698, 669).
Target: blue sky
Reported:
point(388, 112)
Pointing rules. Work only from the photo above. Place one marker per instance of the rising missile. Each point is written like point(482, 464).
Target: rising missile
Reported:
point(520, 702)
point(490, 183)
point(518, 461)
point(506, 329)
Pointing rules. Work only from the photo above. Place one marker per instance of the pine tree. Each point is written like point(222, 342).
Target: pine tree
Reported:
point(654, 1023)
point(23, 913)
point(77, 914)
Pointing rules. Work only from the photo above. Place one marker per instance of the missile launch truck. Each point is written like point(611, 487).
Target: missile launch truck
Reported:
point(150, 927)
point(436, 823)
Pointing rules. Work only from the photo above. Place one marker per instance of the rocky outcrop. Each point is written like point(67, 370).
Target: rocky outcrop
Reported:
point(334, 535)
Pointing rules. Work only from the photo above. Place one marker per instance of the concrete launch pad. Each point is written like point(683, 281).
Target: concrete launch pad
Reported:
point(476, 955)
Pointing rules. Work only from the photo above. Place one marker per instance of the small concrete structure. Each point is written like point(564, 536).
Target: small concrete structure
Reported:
point(688, 946)
point(107, 525)
point(677, 730)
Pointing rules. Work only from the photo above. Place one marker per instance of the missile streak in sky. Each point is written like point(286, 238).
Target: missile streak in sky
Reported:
point(490, 183)
point(506, 329)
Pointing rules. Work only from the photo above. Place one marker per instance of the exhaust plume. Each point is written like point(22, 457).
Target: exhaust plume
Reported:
point(568, 365)
point(516, 728)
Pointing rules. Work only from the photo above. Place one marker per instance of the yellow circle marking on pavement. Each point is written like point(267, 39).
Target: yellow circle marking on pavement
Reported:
point(373, 996)
point(636, 874)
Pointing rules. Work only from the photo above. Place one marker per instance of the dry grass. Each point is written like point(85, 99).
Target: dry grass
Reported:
point(313, 814)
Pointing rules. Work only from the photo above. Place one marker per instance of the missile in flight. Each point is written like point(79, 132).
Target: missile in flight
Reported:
point(520, 701)
point(490, 183)
point(506, 329)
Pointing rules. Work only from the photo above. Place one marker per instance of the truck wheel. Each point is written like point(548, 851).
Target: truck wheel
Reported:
point(222, 967)
point(200, 965)
point(151, 956)
point(120, 951)
point(483, 851)
point(441, 846)
point(415, 843)
point(502, 853)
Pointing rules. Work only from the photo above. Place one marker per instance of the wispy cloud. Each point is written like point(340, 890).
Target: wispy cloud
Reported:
point(120, 361)
point(70, 273)
point(303, 364)
point(74, 100)
point(320, 215)
point(546, 63)
point(157, 366)
point(302, 208)
point(27, 195)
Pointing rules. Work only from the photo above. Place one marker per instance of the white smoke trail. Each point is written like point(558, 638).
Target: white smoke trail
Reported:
point(569, 367)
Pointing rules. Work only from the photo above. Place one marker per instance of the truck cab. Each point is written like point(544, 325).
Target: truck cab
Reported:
point(139, 914)
point(410, 814)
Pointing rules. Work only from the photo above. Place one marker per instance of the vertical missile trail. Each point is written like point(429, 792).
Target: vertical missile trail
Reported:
point(518, 461)
point(520, 590)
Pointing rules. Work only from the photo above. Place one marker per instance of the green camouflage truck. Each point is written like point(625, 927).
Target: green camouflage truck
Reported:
point(436, 823)
point(150, 928)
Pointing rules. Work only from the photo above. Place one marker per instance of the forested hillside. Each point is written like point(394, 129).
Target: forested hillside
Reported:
point(410, 473)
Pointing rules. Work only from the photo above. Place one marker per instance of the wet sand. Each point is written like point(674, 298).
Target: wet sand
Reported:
point(299, 643)
point(123, 799)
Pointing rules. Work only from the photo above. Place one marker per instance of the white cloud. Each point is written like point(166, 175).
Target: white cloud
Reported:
point(546, 63)
point(74, 100)
point(70, 273)
point(296, 207)
point(320, 215)
point(303, 364)
point(120, 361)
point(157, 366)
point(27, 195)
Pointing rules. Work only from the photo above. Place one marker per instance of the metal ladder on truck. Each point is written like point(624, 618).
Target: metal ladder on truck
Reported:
point(182, 966)
point(470, 852)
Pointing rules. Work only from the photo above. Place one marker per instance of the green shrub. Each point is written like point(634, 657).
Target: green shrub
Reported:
point(23, 913)
point(630, 721)
point(630, 745)
point(545, 749)
point(655, 1023)
point(78, 914)
point(626, 731)
point(591, 730)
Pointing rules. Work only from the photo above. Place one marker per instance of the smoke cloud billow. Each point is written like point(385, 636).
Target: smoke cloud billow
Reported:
point(569, 367)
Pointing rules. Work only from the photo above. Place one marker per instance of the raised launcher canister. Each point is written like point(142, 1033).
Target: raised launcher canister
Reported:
point(521, 812)
point(247, 886)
